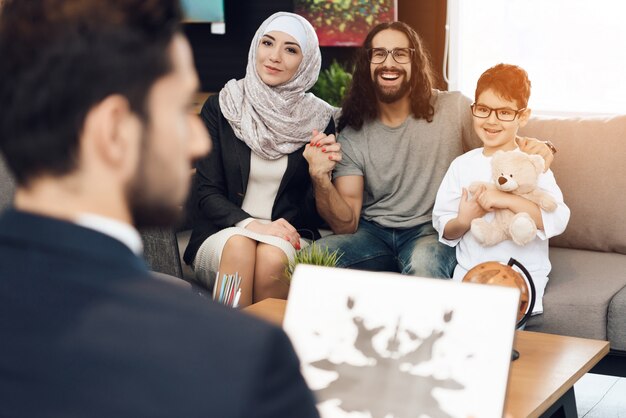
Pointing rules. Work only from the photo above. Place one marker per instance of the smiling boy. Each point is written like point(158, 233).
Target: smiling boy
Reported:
point(499, 110)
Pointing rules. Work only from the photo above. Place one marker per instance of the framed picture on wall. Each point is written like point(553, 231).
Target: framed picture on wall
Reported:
point(203, 11)
point(345, 22)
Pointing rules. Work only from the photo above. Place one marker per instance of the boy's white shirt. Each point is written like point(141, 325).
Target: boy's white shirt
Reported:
point(474, 166)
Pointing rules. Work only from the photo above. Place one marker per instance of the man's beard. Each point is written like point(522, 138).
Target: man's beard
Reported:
point(387, 95)
point(149, 206)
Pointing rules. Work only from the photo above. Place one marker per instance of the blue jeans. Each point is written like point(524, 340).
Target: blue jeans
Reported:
point(415, 251)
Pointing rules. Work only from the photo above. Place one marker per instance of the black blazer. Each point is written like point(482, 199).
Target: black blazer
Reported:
point(222, 178)
point(85, 331)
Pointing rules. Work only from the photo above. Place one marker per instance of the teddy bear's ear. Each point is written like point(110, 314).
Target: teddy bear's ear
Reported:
point(538, 162)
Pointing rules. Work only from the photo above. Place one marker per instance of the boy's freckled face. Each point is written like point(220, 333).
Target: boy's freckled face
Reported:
point(495, 134)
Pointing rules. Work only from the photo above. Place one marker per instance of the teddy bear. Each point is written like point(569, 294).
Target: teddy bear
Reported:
point(512, 172)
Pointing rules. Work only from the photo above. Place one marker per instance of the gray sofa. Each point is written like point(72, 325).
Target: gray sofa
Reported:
point(586, 294)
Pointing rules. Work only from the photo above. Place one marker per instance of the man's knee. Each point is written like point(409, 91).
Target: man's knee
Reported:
point(333, 242)
point(432, 259)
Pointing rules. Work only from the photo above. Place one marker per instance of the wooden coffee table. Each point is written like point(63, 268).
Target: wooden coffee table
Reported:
point(541, 382)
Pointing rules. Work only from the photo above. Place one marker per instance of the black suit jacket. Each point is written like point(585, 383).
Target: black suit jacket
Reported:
point(222, 178)
point(85, 331)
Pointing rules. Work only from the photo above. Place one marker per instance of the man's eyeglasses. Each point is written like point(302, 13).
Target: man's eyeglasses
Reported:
point(504, 114)
point(400, 55)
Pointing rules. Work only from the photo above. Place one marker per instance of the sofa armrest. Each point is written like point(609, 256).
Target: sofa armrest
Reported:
point(616, 327)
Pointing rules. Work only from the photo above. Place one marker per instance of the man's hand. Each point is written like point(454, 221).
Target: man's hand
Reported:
point(534, 146)
point(322, 154)
point(279, 228)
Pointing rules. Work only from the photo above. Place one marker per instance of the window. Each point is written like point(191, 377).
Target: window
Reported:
point(574, 50)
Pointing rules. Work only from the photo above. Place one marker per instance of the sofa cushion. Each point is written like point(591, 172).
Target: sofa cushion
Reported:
point(590, 169)
point(581, 287)
point(616, 328)
point(160, 250)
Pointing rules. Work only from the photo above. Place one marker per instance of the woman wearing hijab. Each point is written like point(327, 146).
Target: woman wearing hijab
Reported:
point(253, 194)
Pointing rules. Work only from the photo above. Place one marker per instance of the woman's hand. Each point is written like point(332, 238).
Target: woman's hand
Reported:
point(322, 154)
point(278, 228)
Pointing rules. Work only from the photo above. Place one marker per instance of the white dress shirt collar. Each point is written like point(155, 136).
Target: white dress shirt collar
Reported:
point(121, 231)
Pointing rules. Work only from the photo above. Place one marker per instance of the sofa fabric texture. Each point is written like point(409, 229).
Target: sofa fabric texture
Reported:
point(160, 250)
point(586, 294)
point(581, 287)
point(590, 168)
point(616, 331)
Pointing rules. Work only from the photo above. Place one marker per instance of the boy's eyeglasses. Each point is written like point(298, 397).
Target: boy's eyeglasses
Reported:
point(504, 114)
point(400, 55)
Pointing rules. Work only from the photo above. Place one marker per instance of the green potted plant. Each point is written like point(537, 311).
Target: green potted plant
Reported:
point(315, 255)
point(332, 84)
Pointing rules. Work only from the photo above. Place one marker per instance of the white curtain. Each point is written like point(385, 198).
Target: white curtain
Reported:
point(574, 50)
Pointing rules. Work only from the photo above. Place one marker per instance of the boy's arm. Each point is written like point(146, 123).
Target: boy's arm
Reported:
point(550, 223)
point(554, 222)
point(493, 199)
point(454, 209)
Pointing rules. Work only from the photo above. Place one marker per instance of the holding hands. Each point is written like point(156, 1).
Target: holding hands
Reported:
point(322, 154)
point(279, 228)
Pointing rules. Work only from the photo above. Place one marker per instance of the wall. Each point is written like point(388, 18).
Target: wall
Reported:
point(220, 58)
point(428, 18)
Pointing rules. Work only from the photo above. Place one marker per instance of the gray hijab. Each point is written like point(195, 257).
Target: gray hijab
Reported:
point(274, 121)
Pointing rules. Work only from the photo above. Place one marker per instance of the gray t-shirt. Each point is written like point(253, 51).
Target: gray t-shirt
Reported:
point(402, 167)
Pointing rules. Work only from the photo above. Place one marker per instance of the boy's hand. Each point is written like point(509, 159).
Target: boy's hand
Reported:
point(469, 209)
point(492, 199)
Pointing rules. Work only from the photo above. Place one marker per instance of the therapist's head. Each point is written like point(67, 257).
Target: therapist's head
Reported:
point(96, 94)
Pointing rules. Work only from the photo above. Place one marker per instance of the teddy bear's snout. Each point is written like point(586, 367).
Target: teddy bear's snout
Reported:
point(501, 180)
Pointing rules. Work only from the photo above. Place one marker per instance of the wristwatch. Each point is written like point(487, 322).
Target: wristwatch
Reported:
point(551, 146)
